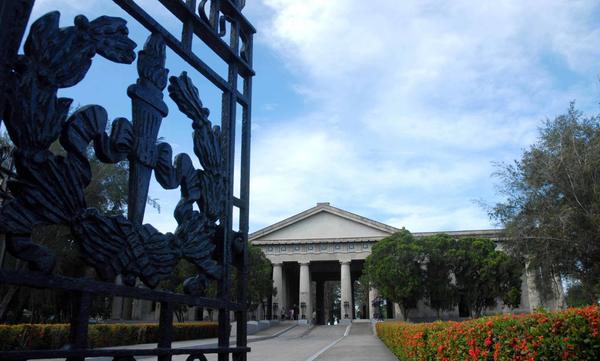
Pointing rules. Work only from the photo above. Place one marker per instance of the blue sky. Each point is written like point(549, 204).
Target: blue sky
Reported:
point(392, 110)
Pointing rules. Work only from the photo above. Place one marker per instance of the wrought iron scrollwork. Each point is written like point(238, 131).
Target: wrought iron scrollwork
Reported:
point(216, 20)
point(49, 188)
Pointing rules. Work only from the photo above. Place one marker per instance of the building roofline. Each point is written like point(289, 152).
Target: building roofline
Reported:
point(494, 234)
point(322, 207)
point(499, 232)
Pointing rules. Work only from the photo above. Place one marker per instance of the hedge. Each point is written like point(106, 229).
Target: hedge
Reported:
point(54, 336)
point(571, 334)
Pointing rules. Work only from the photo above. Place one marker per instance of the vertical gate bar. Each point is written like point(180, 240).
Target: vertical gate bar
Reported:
point(188, 27)
point(78, 334)
point(242, 316)
point(228, 124)
point(223, 294)
point(242, 337)
point(165, 329)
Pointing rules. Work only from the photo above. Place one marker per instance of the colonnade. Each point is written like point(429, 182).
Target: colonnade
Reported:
point(306, 296)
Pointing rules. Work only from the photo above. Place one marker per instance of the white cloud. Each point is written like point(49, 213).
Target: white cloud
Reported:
point(434, 219)
point(407, 103)
point(410, 102)
point(43, 6)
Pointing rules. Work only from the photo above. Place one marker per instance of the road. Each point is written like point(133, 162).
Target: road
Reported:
point(321, 343)
point(300, 343)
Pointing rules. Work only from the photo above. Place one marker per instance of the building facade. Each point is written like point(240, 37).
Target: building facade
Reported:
point(327, 244)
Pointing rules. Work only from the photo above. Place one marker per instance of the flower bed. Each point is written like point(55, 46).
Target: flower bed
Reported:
point(54, 336)
point(565, 335)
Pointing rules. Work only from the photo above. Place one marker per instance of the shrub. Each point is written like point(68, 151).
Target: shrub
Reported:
point(54, 336)
point(571, 334)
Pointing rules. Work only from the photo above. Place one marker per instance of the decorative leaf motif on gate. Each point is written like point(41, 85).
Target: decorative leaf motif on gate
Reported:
point(49, 188)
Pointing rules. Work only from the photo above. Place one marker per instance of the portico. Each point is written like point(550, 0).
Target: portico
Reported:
point(319, 245)
point(326, 244)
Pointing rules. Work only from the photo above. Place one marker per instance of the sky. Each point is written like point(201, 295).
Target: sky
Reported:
point(394, 110)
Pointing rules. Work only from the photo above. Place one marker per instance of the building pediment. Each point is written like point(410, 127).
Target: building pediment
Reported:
point(323, 222)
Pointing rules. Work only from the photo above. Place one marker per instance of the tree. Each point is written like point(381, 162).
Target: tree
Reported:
point(394, 268)
point(361, 293)
point(106, 192)
point(445, 271)
point(552, 209)
point(182, 271)
point(578, 297)
point(440, 291)
point(484, 274)
point(260, 279)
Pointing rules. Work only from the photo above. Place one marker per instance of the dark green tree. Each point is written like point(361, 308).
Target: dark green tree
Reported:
point(484, 275)
point(182, 271)
point(578, 297)
point(106, 192)
point(395, 269)
point(361, 293)
point(260, 279)
point(440, 291)
point(552, 208)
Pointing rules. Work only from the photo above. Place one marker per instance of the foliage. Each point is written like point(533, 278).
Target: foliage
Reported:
point(577, 296)
point(106, 192)
point(445, 271)
point(6, 162)
point(394, 268)
point(361, 293)
point(440, 291)
point(54, 336)
point(260, 280)
point(182, 271)
point(571, 334)
point(484, 274)
point(552, 206)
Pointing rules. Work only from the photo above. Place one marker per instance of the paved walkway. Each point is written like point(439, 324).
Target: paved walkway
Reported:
point(321, 343)
point(298, 344)
point(290, 342)
point(360, 344)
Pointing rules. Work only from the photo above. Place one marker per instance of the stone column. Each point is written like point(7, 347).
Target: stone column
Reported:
point(346, 290)
point(278, 284)
point(304, 292)
point(373, 294)
point(284, 306)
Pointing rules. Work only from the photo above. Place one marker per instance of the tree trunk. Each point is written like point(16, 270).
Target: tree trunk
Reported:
point(179, 315)
point(404, 313)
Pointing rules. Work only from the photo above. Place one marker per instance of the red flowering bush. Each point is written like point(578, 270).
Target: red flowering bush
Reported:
point(571, 334)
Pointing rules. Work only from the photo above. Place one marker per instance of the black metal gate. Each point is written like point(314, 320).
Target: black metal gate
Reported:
point(47, 188)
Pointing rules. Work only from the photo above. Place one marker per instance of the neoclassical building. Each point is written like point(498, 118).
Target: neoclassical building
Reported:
point(324, 244)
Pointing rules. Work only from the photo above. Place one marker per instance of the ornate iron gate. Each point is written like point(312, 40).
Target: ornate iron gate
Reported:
point(48, 188)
